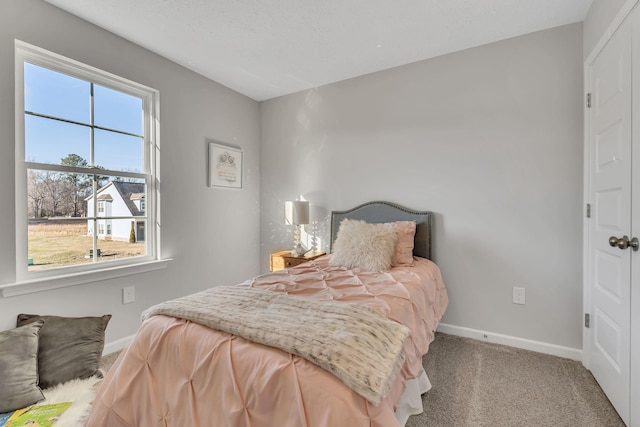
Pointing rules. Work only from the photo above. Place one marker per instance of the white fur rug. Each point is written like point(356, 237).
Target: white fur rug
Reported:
point(80, 393)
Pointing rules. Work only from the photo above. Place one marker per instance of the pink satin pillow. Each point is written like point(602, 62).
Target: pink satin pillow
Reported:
point(406, 231)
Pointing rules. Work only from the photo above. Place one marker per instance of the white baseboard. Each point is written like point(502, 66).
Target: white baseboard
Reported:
point(540, 347)
point(117, 345)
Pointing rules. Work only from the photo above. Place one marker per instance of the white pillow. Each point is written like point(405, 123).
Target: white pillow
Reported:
point(362, 245)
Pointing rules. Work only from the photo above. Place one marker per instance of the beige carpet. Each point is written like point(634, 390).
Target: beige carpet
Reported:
point(107, 361)
point(483, 384)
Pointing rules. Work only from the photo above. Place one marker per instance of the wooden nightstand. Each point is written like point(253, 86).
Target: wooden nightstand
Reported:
point(284, 259)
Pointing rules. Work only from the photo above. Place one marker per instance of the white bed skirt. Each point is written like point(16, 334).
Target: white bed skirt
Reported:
point(411, 400)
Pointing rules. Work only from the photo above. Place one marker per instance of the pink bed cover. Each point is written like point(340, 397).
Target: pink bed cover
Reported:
point(179, 373)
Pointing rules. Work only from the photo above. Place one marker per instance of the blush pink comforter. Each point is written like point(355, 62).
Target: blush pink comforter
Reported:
point(180, 373)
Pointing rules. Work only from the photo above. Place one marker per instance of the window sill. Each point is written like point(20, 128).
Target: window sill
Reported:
point(50, 283)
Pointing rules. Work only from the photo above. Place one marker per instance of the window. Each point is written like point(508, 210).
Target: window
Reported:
point(84, 138)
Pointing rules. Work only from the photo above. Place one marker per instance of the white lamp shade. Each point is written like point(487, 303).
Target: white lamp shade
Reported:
point(296, 212)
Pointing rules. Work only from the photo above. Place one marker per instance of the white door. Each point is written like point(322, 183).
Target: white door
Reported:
point(610, 198)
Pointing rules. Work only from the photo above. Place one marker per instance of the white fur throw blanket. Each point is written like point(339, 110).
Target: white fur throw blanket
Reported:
point(355, 343)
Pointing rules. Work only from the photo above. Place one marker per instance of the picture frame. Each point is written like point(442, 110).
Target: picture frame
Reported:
point(225, 166)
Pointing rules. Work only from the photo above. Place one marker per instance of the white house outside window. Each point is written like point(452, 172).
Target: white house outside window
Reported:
point(80, 130)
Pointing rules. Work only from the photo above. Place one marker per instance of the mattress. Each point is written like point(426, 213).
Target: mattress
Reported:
point(178, 373)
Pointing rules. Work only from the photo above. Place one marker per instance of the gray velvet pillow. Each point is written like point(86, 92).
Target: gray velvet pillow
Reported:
point(69, 347)
point(19, 367)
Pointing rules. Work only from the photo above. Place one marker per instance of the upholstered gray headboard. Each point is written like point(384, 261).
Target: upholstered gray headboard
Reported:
point(376, 212)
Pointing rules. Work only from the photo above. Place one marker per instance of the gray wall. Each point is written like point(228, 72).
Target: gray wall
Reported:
point(489, 138)
point(212, 234)
point(599, 17)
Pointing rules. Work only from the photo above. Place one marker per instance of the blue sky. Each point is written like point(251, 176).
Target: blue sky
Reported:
point(54, 94)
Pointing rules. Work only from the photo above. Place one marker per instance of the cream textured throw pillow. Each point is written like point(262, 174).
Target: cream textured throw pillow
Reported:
point(362, 245)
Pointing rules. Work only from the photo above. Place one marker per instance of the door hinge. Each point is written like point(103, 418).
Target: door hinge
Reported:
point(586, 320)
point(588, 210)
point(588, 100)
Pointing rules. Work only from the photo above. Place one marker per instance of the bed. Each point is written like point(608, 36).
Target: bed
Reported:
point(179, 372)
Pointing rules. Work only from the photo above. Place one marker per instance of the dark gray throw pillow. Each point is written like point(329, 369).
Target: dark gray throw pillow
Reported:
point(69, 347)
point(19, 367)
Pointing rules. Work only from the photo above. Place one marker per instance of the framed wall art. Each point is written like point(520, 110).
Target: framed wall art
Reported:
point(225, 166)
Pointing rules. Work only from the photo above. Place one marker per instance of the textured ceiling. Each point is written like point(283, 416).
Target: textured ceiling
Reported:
point(268, 48)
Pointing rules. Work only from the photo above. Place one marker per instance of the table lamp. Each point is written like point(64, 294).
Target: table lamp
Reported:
point(297, 213)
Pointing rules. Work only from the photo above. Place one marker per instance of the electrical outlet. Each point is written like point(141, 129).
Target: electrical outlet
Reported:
point(519, 295)
point(128, 294)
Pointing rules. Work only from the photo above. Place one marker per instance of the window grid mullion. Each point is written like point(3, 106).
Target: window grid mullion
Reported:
point(94, 183)
point(86, 171)
point(74, 122)
point(92, 161)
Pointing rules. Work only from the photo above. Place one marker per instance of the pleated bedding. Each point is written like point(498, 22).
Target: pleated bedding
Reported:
point(178, 372)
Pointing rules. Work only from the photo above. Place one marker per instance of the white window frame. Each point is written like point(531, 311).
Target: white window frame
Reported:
point(34, 281)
